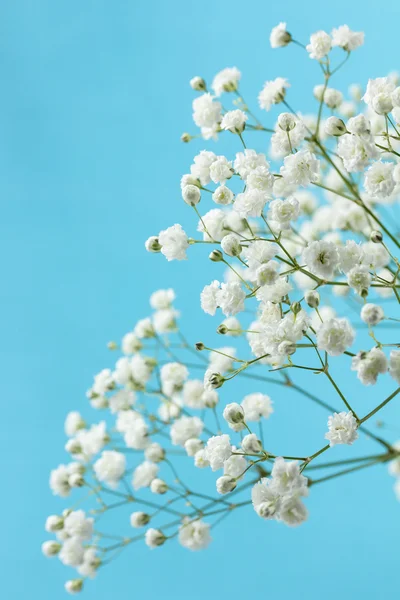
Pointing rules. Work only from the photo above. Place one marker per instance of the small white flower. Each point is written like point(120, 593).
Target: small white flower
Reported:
point(194, 535)
point(334, 336)
point(256, 406)
point(234, 121)
point(347, 39)
point(279, 36)
point(218, 450)
point(273, 92)
point(342, 429)
point(174, 243)
point(320, 45)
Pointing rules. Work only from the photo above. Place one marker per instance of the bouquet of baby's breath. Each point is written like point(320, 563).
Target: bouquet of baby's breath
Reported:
point(303, 236)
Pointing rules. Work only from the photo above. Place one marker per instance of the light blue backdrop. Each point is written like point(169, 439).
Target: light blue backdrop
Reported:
point(94, 97)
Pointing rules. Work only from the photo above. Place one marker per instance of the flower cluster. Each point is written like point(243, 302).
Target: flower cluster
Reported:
point(297, 238)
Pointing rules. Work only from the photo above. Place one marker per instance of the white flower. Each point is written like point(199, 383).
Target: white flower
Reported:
point(287, 478)
point(231, 298)
point(201, 167)
point(251, 444)
point(194, 535)
point(72, 552)
point(110, 467)
point(235, 465)
point(154, 538)
point(191, 195)
point(261, 179)
point(333, 98)
point(251, 202)
point(342, 429)
point(279, 36)
point(378, 180)
point(233, 413)
point(206, 111)
point(231, 245)
point(226, 80)
point(347, 39)
point(174, 243)
point(247, 161)
point(73, 423)
point(356, 151)
point(144, 474)
point(320, 45)
point(273, 92)
point(200, 459)
point(372, 314)
point(256, 406)
point(173, 375)
point(51, 548)
point(218, 450)
point(234, 121)
point(77, 526)
point(394, 365)
point(225, 484)
point(284, 211)
point(130, 343)
point(162, 299)
point(90, 563)
point(359, 279)
point(185, 428)
point(209, 296)
point(379, 93)
point(334, 336)
point(301, 168)
point(139, 519)
point(369, 364)
point(293, 512)
point(144, 328)
point(102, 382)
point(350, 255)
point(321, 258)
point(221, 169)
point(214, 222)
point(222, 195)
point(59, 481)
point(266, 499)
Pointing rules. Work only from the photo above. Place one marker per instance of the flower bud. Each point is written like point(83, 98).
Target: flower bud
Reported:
point(334, 126)
point(376, 237)
point(158, 486)
point(216, 380)
point(51, 548)
point(222, 329)
point(139, 519)
point(295, 307)
point(266, 510)
point(152, 244)
point(186, 137)
point(154, 453)
point(231, 245)
point(191, 195)
point(216, 256)
point(225, 484)
point(73, 586)
point(312, 298)
point(233, 413)
point(286, 121)
point(54, 523)
point(198, 84)
point(372, 314)
point(199, 346)
point(154, 538)
point(251, 444)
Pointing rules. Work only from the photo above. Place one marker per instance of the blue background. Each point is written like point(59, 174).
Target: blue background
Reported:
point(94, 97)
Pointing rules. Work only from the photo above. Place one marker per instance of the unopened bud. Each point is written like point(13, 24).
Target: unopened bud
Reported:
point(186, 137)
point(376, 237)
point(286, 121)
point(139, 519)
point(73, 586)
point(225, 484)
point(152, 244)
point(198, 84)
point(233, 413)
point(335, 126)
point(216, 256)
point(200, 346)
point(286, 348)
point(222, 329)
point(158, 486)
point(191, 194)
point(295, 308)
point(312, 298)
